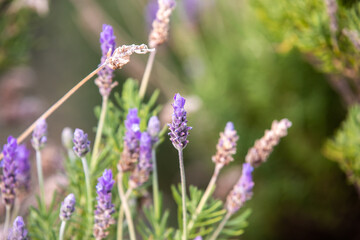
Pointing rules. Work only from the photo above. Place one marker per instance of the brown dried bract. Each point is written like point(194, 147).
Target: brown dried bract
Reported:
point(128, 160)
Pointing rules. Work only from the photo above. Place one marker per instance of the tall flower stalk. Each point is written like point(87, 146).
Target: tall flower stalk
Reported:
point(178, 136)
point(66, 210)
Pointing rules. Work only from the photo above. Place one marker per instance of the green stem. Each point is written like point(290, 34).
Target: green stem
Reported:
point(88, 194)
point(126, 207)
point(40, 177)
point(146, 76)
point(183, 192)
point(94, 156)
point(155, 187)
point(62, 230)
point(7, 220)
point(121, 216)
point(206, 195)
point(220, 227)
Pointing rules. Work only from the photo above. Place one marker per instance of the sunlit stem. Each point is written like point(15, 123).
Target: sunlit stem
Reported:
point(121, 217)
point(56, 105)
point(183, 192)
point(126, 207)
point(155, 186)
point(88, 193)
point(40, 176)
point(206, 195)
point(7, 220)
point(62, 230)
point(220, 227)
point(94, 156)
point(146, 76)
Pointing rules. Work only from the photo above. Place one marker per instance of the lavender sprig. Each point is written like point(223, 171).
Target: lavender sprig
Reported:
point(66, 210)
point(81, 143)
point(18, 231)
point(104, 208)
point(8, 179)
point(23, 167)
point(39, 136)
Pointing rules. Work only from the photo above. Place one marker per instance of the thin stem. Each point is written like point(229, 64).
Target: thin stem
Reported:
point(126, 208)
point(88, 192)
point(146, 76)
point(62, 230)
point(206, 195)
point(220, 227)
point(7, 220)
point(56, 105)
point(121, 216)
point(16, 209)
point(94, 156)
point(40, 176)
point(183, 192)
point(155, 186)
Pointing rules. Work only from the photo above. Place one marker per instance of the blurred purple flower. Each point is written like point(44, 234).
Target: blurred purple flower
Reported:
point(132, 134)
point(23, 167)
point(154, 129)
point(18, 231)
point(81, 143)
point(8, 179)
point(39, 135)
point(67, 207)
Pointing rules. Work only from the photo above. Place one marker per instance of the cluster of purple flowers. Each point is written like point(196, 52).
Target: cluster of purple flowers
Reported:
point(81, 143)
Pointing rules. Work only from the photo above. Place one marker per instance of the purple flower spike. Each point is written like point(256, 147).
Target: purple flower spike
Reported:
point(39, 135)
point(154, 129)
point(242, 190)
point(81, 143)
point(107, 42)
point(67, 207)
point(23, 167)
point(8, 179)
point(178, 128)
point(104, 208)
point(141, 174)
point(18, 231)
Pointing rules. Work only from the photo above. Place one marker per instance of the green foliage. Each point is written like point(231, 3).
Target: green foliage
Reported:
point(344, 147)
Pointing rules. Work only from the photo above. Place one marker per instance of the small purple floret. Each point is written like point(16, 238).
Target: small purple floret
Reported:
point(178, 128)
point(8, 179)
point(132, 134)
point(18, 231)
point(154, 129)
point(145, 151)
point(23, 167)
point(81, 143)
point(67, 207)
point(39, 135)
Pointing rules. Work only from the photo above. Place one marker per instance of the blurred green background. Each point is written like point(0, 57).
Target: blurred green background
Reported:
point(226, 61)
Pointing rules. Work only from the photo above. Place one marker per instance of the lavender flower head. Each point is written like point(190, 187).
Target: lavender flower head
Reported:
point(141, 174)
point(154, 129)
point(105, 75)
point(67, 207)
point(178, 128)
point(18, 231)
point(23, 167)
point(104, 208)
point(130, 153)
point(242, 190)
point(226, 146)
point(8, 179)
point(39, 135)
point(81, 143)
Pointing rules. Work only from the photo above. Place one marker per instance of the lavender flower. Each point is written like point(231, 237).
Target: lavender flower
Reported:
point(154, 129)
point(23, 167)
point(81, 143)
point(18, 231)
point(8, 179)
point(264, 146)
point(142, 171)
point(178, 128)
point(39, 135)
point(242, 190)
point(105, 208)
point(226, 146)
point(198, 238)
point(67, 207)
point(107, 42)
point(130, 153)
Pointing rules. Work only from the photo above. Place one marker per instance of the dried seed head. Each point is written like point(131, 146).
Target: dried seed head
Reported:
point(264, 146)
point(67, 207)
point(121, 55)
point(226, 146)
point(159, 33)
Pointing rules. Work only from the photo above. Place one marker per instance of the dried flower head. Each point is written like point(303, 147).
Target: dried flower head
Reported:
point(159, 33)
point(81, 143)
point(105, 75)
point(242, 190)
point(121, 55)
point(131, 149)
point(67, 207)
point(226, 146)
point(178, 127)
point(142, 171)
point(104, 208)
point(39, 135)
point(23, 167)
point(264, 146)
point(8, 179)
point(18, 231)
point(153, 129)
